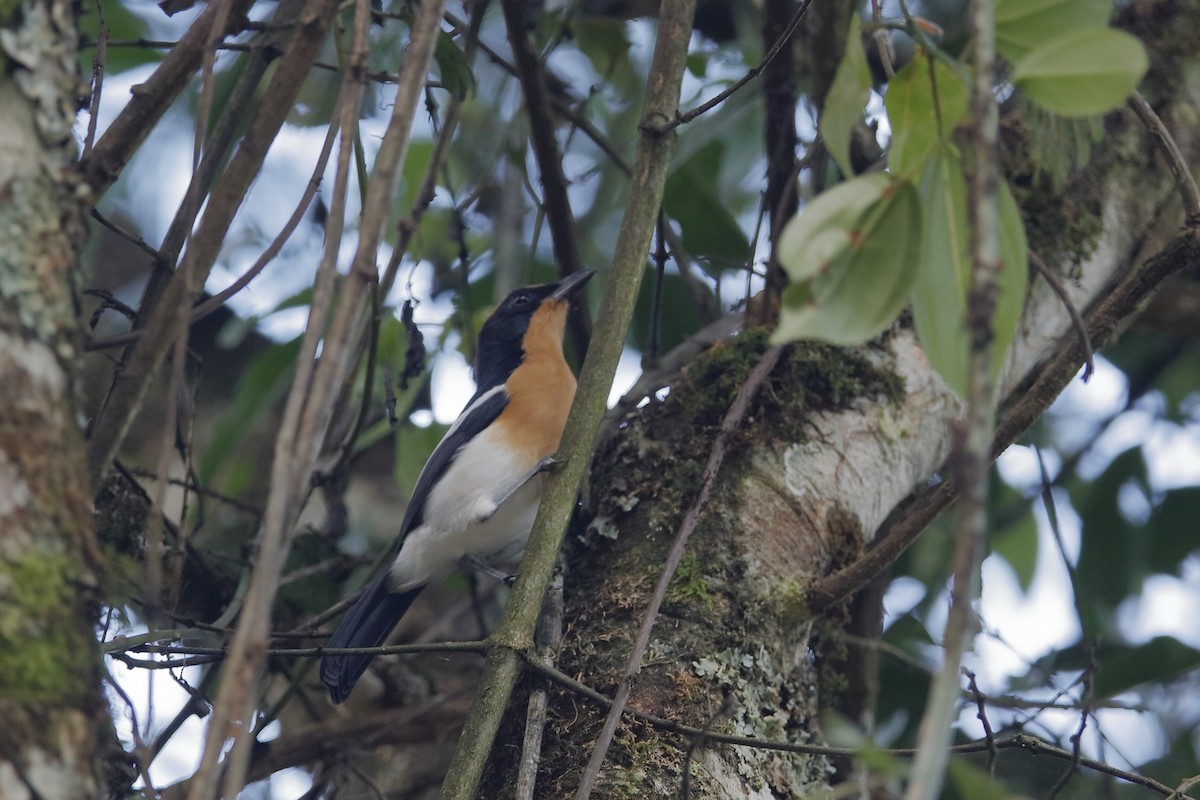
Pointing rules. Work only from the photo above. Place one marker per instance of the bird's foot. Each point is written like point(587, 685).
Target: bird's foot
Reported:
point(476, 564)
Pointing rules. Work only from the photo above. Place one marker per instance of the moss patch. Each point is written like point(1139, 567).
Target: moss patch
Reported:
point(39, 641)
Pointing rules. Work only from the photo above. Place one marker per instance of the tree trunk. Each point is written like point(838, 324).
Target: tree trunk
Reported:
point(50, 698)
point(836, 440)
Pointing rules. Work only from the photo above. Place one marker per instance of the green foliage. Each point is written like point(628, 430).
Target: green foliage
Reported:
point(847, 95)
point(694, 198)
point(262, 386)
point(867, 280)
point(413, 447)
point(943, 282)
point(452, 64)
point(925, 101)
point(1082, 73)
point(1022, 25)
point(974, 783)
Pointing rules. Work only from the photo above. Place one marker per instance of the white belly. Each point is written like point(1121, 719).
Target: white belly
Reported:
point(482, 473)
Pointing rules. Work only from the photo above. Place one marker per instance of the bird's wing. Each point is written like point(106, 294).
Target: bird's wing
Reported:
point(481, 412)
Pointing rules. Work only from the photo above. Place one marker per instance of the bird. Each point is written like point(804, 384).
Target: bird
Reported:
point(474, 502)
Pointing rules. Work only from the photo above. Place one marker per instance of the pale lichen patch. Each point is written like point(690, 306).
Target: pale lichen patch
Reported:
point(14, 491)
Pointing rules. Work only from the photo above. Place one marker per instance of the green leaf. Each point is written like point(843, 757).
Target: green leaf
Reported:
point(259, 388)
point(1022, 25)
point(416, 162)
point(940, 291)
point(1013, 279)
point(413, 448)
point(1161, 659)
point(122, 24)
point(679, 319)
point(1109, 545)
point(847, 98)
point(453, 67)
point(823, 230)
point(869, 282)
point(918, 122)
point(972, 782)
point(1172, 531)
point(943, 282)
point(605, 42)
point(1017, 544)
point(694, 199)
point(1082, 73)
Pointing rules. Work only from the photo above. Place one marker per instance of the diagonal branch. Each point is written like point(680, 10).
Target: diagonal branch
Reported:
point(515, 633)
point(151, 99)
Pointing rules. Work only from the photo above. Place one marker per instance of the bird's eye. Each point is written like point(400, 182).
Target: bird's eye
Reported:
point(522, 300)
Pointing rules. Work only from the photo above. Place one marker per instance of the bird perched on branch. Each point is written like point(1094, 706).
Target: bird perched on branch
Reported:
point(477, 495)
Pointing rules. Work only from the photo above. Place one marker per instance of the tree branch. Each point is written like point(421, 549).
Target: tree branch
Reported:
point(633, 243)
point(545, 149)
point(147, 354)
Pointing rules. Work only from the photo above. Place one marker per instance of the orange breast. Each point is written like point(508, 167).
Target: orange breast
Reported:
point(541, 389)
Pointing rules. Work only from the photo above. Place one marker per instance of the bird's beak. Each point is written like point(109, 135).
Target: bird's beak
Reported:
point(570, 285)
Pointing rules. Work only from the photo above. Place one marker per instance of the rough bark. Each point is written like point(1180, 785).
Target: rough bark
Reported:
point(50, 700)
point(851, 433)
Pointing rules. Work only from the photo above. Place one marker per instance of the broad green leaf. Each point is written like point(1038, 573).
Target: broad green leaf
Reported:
point(679, 318)
point(416, 162)
point(1172, 530)
point(943, 282)
point(1017, 544)
point(259, 388)
point(1083, 72)
point(940, 292)
point(847, 98)
point(869, 282)
point(453, 67)
point(1109, 545)
point(919, 117)
point(1161, 659)
point(122, 24)
point(694, 199)
point(1013, 279)
point(1022, 25)
point(823, 230)
point(605, 41)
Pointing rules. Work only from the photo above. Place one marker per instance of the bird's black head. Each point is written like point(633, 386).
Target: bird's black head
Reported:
point(502, 343)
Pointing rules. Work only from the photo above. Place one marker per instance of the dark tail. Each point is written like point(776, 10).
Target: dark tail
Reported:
point(367, 624)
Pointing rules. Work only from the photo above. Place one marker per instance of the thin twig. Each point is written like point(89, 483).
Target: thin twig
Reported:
point(576, 447)
point(132, 238)
point(729, 425)
point(751, 74)
point(98, 66)
point(1076, 320)
point(296, 445)
point(981, 715)
point(547, 639)
point(973, 440)
point(696, 743)
point(542, 129)
point(1180, 170)
point(147, 355)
